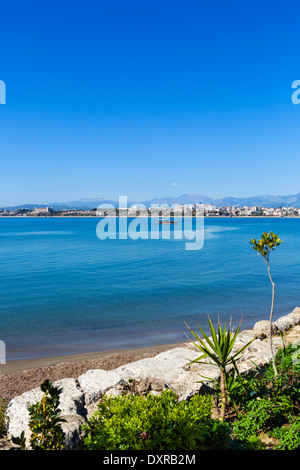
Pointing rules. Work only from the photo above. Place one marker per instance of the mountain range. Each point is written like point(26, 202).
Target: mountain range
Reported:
point(90, 203)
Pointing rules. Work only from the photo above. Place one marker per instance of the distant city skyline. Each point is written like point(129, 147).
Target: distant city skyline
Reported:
point(148, 100)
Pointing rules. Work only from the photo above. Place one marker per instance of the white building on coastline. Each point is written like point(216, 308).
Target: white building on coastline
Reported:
point(43, 210)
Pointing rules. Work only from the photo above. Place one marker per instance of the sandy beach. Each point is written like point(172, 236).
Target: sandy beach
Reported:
point(17, 377)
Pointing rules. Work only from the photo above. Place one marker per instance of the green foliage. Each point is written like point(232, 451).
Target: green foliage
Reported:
point(153, 422)
point(220, 347)
point(45, 421)
point(289, 436)
point(265, 384)
point(267, 416)
point(249, 443)
point(270, 406)
point(2, 415)
point(270, 385)
point(261, 414)
point(218, 436)
point(287, 380)
point(267, 243)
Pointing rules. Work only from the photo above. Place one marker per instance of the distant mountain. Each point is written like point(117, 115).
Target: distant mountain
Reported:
point(90, 203)
point(84, 204)
point(264, 201)
point(21, 206)
point(183, 199)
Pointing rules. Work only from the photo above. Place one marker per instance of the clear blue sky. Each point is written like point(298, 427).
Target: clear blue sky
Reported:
point(148, 99)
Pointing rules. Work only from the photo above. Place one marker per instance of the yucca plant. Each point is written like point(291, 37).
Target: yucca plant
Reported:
point(219, 349)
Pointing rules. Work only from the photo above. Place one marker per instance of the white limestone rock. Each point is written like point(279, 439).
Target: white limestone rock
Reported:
point(71, 400)
point(262, 329)
point(288, 321)
point(171, 367)
point(72, 429)
point(293, 336)
point(283, 324)
point(17, 414)
point(95, 383)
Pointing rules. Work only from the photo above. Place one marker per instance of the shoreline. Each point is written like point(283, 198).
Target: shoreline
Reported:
point(19, 365)
point(20, 376)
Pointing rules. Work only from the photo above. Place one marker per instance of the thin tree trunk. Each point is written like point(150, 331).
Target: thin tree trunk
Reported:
point(271, 316)
point(223, 395)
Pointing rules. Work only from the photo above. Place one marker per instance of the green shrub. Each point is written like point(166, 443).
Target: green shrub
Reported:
point(2, 415)
point(288, 436)
point(266, 385)
point(261, 415)
point(249, 443)
point(154, 422)
point(288, 380)
point(45, 421)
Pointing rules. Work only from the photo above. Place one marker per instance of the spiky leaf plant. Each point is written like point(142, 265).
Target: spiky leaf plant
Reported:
point(219, 348)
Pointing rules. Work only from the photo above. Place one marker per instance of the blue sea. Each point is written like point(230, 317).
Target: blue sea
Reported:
point(65, 291)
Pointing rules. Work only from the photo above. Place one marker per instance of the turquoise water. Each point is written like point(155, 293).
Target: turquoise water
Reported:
point(63, 290)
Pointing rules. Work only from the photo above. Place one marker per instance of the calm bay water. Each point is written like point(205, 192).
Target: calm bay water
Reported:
point(65, 291)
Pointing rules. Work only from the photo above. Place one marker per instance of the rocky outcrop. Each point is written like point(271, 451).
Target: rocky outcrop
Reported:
point(168, 369)
point(283, 324)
